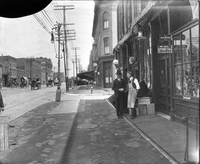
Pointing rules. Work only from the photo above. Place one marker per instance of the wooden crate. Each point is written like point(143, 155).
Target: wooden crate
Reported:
point(145, 109)
point(144, 100)
point(142, 109)
point(151, 108)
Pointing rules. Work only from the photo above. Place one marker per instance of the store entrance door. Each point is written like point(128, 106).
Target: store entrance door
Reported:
point(164, 84)
point(107, 75)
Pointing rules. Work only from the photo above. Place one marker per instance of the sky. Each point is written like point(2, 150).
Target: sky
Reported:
point(25, 37)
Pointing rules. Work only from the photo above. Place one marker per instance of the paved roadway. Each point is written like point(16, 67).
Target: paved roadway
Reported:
point(18, 101)
point(82, 129)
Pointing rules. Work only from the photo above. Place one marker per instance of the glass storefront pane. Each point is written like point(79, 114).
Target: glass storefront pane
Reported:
point(178, 80)
point(195, 79)
point(177, 49)
point(186, 46)
point(187, 85)
point(195, 43)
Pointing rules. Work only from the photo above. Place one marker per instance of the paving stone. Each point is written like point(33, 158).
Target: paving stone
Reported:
point(99, 137)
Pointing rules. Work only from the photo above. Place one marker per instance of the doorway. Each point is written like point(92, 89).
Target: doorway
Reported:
point(164, 84)
point(107, 75)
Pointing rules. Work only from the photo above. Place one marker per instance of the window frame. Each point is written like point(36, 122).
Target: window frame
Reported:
point(106, 46)
point(183, 63)
point(105, 21)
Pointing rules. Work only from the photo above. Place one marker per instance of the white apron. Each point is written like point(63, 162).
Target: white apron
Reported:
point(132, 94)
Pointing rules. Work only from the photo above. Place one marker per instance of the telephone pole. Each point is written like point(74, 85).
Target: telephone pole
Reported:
point(58, 91)
point(76, 48)
point(65, 39)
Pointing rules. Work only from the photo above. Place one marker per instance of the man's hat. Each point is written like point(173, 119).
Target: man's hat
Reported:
point(118, 72)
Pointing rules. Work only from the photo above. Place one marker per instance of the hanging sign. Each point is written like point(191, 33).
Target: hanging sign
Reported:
point(165, 37)
point(164, 49)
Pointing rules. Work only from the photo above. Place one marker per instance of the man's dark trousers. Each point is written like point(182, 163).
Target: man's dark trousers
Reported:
point(119, 104)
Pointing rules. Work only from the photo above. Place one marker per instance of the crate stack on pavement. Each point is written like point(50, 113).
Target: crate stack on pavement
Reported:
point(145, 107)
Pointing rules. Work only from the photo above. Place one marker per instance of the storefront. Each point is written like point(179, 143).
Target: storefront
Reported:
point(166, 56)
point(186, 70)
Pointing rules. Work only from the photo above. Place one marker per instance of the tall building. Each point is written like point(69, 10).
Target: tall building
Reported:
point(104, 34)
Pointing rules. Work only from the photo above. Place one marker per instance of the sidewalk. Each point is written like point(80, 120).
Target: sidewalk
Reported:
point(167, 136)
point(40, 135)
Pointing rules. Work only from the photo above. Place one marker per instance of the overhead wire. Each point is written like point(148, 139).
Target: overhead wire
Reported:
point(47, 17)
point(41, 23)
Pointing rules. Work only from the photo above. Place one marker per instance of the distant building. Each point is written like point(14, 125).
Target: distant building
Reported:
point(9, 69)
point(23, 68)
point(46, 68)
point(62, 76)
point(31, 67)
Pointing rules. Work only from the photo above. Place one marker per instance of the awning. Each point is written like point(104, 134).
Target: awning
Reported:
point(89, 75)
point(147, 13)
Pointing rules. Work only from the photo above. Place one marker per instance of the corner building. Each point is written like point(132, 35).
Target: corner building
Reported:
point(105, 38)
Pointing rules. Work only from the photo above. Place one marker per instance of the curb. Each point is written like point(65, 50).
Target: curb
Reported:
point(147, 138)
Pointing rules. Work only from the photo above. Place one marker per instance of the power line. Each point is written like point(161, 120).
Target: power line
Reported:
point(41, 23)
point(47, 18)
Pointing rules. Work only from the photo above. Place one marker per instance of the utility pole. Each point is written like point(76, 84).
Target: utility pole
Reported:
point(76, 48)
point(65, 53)
point(58, 91)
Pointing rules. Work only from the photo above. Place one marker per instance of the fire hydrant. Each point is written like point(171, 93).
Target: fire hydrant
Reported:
point(58, 94)
point(91, 89)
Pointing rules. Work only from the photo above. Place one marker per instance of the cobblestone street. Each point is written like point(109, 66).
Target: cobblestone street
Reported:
point(98, 136)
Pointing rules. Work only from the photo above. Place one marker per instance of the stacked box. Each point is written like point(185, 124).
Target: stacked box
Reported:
point(144, 100)
point(145, 109)
point(142, 109)
point(150, 108)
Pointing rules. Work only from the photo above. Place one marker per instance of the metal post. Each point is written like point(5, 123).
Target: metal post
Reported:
point(197, 139)
point(4, 133)
point(186, 157)
point(58, 91)
point(199, 56)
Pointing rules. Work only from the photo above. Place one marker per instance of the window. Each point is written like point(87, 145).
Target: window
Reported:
point(105, 20)
point(106, 46)
point(186, 63)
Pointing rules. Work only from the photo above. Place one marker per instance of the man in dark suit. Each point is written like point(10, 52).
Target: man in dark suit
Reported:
point(119, 87)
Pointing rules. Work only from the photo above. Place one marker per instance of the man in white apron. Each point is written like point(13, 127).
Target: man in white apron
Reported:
point(133, 87)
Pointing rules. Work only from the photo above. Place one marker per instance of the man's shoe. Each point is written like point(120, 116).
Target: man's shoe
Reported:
point(132, 117)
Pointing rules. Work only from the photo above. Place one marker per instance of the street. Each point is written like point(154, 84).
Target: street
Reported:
point(18, 101)
point(81, 129)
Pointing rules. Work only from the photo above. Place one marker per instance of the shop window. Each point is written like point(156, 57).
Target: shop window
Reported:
point(106, 46)
point(186, 63)
point(105, 20)
point(185, 46)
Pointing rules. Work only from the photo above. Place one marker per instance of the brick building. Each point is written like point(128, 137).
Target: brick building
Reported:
point(105, 38)
point(46, 69)
point(9, 69)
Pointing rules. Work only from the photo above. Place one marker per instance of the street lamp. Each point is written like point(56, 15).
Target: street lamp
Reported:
point(116, 63)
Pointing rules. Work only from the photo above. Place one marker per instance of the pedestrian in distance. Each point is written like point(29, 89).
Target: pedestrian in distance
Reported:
point(133, 87)
point(119, 87)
